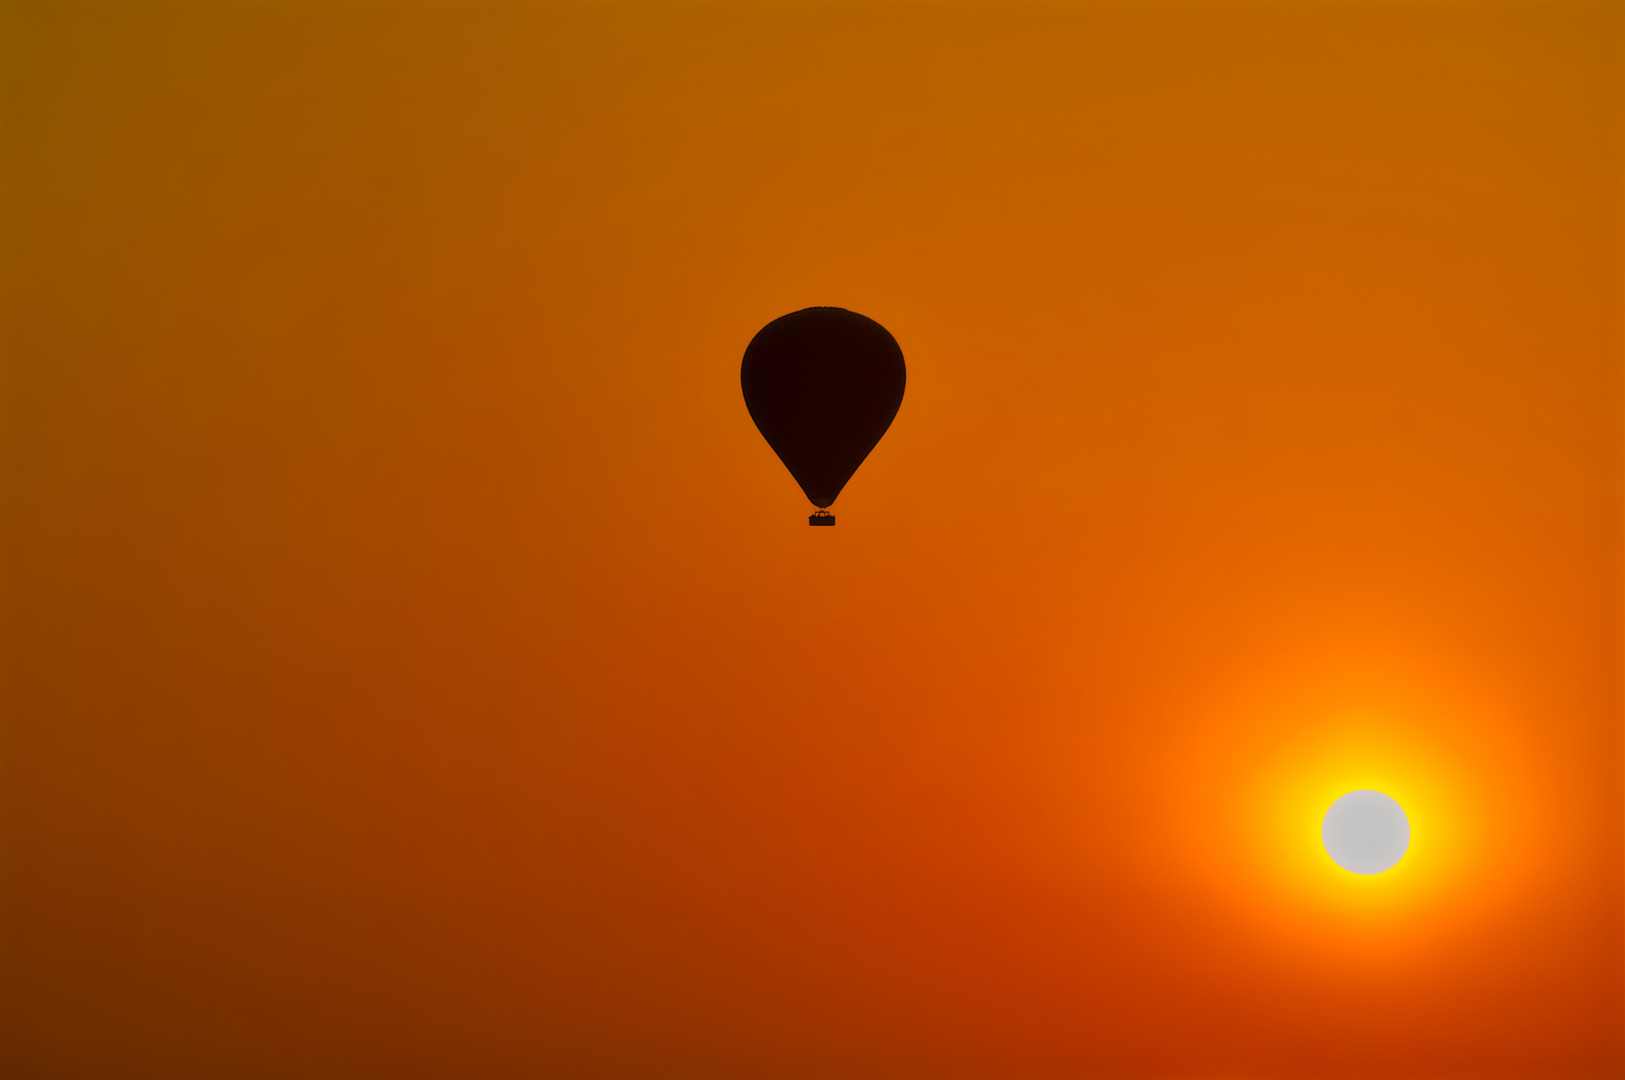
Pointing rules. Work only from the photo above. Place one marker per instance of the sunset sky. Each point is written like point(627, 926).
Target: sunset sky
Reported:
point(417, 665)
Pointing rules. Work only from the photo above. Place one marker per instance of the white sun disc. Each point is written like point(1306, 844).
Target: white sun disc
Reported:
point(1365, 832)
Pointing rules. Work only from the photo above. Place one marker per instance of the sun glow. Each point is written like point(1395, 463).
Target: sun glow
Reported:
point(1362, 753)
point(1263, 850)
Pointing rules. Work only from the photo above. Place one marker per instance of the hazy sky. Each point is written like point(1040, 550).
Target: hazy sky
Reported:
point(417, 665)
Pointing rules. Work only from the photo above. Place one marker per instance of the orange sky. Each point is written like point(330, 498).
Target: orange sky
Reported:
point(416, 664)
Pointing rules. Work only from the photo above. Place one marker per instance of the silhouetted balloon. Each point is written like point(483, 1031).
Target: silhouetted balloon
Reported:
point(822, 385)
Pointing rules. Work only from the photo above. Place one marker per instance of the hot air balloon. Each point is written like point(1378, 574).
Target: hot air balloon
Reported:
point(822, 384)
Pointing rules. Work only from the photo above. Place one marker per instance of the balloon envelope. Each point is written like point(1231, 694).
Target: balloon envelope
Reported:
point(822, 385)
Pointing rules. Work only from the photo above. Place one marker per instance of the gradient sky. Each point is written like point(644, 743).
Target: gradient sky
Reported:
point(416, 664)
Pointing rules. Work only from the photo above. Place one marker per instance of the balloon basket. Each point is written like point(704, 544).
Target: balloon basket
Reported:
point(821, 517)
